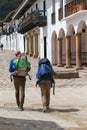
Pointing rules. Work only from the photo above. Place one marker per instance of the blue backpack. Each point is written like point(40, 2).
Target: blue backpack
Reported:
point(45, 71)
point(12, 66)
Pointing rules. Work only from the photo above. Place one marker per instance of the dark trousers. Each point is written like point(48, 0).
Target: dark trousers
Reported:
point(19, 84)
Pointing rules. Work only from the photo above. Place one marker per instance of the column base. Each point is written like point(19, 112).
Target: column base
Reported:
point(30, 54)
point(68, 66)
point(60, 65)
point(79, 68)
point(39, 57)
point(35, 56)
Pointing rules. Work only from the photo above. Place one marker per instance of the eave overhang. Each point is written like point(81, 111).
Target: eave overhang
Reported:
point(23, 7)
point(8, 18)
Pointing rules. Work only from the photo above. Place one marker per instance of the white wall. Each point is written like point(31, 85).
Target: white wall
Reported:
point(48, 30)
point(13, 42)
point(73, 19)
point(20, 42)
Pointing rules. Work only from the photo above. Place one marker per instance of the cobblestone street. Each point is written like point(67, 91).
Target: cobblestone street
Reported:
point(68, 105)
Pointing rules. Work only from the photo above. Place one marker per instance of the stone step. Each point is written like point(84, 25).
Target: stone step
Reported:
point(66, 74)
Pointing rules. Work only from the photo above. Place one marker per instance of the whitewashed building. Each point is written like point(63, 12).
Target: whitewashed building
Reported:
point(67, 28)
point(56, 29)
point(9, 36)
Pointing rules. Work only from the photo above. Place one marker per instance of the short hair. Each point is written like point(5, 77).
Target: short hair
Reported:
point(17, 52)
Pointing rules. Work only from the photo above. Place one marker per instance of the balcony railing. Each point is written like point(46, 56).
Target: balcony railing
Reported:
point(73, 7)
point(3, 32)
point(34, 19)
point(6, 31)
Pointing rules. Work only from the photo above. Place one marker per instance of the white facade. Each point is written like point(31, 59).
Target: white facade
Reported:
point(64, 27)
point(13, 42)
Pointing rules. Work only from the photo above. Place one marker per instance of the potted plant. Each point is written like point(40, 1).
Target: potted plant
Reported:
point(80, 7)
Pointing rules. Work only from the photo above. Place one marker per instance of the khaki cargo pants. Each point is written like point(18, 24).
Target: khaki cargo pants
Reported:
point(45, 92)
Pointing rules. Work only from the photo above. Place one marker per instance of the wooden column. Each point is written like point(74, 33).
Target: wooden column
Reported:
point(31, 46)
point(59, 52)
point(35, 42)
point(68, 51)
point(27, 44)
point(78, 51)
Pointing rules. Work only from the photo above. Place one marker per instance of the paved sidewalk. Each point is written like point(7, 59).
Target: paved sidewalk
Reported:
point(68, 105)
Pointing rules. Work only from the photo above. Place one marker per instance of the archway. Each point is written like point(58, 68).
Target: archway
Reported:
point(71, 33)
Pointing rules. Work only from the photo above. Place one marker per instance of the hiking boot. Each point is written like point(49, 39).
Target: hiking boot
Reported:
point(48, 108)
point(44, 109)
point(21, 109)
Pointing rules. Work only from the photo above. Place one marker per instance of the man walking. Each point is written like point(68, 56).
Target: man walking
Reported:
point(45, 80)
point(19, 80)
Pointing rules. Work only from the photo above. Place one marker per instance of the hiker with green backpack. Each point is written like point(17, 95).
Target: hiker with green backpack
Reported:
point(19, 68)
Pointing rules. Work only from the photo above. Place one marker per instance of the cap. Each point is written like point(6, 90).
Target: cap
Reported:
point(17, 52)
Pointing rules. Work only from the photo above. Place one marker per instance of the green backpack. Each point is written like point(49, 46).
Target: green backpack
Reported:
point(23, 66)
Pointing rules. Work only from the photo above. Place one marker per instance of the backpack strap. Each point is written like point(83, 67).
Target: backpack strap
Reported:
point(53, 85)
point(29, 76)
point(18, 63)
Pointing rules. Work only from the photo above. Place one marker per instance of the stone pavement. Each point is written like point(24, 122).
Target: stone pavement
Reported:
point(68, 105)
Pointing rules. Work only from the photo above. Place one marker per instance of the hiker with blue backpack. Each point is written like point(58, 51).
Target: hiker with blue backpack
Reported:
point(45, 76)
point(19, 68)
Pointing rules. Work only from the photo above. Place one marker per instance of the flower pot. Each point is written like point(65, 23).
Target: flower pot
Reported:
point(80, 7)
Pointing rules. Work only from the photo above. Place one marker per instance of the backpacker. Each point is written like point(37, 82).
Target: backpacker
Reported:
point(45, 72)
point(23, 66)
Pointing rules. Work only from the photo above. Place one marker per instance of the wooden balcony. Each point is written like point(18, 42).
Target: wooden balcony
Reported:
point(7, 32)
point(3, 32)
point(73, 7)
point(34, 19)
